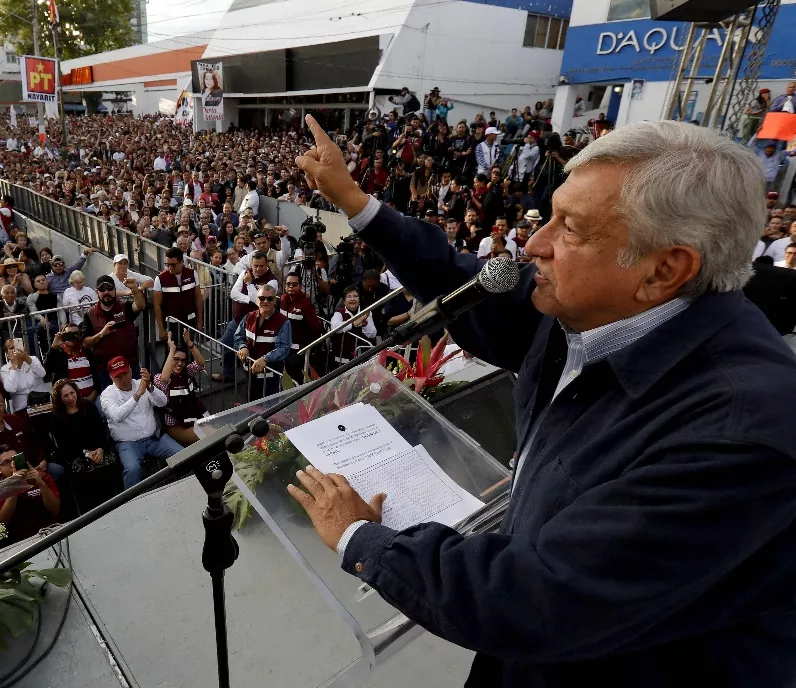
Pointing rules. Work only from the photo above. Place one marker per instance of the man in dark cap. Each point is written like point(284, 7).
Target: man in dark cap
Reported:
point(109, 327)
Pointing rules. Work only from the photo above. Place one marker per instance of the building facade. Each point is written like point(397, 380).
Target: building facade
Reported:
point(623, 63)
point(281, 59)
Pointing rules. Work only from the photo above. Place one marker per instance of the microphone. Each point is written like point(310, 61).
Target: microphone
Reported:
point(498, 276)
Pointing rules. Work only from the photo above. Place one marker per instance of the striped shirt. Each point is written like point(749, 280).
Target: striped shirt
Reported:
point(79, 371)
point(592, 346)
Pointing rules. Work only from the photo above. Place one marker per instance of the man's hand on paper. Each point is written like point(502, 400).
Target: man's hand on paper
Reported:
point(333, 504)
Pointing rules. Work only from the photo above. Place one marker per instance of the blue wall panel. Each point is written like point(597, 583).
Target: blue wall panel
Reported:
point(646, 49)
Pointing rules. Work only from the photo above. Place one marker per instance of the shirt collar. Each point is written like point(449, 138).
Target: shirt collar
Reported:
point(601, 342)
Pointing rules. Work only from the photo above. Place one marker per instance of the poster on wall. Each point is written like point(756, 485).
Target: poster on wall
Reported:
point(211, 78)
point(690, 107)
point(39, 79)
point(638, 89)
point(184, 113)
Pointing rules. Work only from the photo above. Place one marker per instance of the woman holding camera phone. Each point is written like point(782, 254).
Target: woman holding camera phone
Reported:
point(26, 513)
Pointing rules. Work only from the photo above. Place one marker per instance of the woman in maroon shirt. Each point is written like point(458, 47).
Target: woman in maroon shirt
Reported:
point(26, 513)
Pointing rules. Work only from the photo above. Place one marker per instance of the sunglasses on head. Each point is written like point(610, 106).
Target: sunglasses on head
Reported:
point(266, 299)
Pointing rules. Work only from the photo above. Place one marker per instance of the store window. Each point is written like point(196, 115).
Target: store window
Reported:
point(628, 9)
point(11, 57)
point(542, 31)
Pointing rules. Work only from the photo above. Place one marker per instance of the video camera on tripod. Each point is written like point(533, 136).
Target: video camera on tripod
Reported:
point(311, 228)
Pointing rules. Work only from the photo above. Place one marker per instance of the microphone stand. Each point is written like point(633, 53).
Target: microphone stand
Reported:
point(210, 462)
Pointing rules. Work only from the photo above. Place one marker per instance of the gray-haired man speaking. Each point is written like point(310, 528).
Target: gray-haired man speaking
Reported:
point(651, 532)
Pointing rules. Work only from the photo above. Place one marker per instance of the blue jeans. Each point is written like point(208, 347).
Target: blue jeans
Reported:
point(229, 356)
point(132, 453)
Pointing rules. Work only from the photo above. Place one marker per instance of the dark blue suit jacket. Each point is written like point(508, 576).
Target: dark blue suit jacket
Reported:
point(651, 537)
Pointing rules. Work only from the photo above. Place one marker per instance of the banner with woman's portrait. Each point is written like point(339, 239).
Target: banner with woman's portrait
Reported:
point(212, 84)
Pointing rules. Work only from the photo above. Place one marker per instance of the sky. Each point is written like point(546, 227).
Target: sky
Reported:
point(168, 18)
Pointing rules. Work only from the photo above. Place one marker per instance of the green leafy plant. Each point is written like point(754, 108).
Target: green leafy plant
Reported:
point(20, 597)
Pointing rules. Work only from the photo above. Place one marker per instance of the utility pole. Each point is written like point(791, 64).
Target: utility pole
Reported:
point(56, 28)
point(39, 106)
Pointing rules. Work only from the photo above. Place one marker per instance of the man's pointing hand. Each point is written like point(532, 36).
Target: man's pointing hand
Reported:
point(326, 171)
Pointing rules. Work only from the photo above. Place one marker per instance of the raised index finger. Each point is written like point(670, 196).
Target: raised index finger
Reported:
point(317, 131)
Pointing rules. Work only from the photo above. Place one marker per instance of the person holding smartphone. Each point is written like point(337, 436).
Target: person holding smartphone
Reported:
point(109, 327)
point(33, 508)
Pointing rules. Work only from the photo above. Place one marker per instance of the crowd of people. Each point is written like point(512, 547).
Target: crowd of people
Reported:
point(486, 184)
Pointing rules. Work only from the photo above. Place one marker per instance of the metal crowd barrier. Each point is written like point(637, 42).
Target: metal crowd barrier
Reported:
point(332, 360)
point(221, 396)
point(146, 256)
point(37, 336)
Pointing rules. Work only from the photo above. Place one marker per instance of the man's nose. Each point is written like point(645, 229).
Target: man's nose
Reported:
point(540, 243)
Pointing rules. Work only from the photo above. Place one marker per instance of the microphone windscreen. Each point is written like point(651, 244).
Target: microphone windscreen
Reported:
point(499, 275)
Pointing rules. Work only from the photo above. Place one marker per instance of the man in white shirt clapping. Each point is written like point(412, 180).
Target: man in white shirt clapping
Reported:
point(129, 406)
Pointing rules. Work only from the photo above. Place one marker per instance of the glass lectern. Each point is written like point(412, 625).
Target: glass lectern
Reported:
point(378, 627)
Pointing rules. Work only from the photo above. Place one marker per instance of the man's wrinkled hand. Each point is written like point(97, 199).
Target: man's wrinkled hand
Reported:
point(326, 170)
point(333, 504)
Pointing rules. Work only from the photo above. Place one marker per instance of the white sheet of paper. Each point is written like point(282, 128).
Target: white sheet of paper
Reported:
point(360, 444)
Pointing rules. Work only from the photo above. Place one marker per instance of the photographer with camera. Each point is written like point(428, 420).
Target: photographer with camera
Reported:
point(460, 196)
point(374, 137)
point(495, 196)
point(311, 250)
point(375, 177)
point(407, 145)
point(398, 192)
point(460, 151)
point(67, 359)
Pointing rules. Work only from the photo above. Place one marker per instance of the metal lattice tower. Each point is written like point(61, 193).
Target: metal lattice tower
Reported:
point(747, 38)
point(766, 14)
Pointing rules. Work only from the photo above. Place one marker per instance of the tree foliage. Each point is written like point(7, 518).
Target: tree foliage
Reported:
point(87, 26)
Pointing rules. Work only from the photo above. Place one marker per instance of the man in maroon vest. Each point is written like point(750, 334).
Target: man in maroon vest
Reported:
point(177, 294)
point(265, 336)
point(109, 327)
point(305, 326)
point(244, 301)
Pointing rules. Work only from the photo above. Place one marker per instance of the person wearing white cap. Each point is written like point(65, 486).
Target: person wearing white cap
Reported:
point(535, 221)
point(121, 272)
point(488, 153)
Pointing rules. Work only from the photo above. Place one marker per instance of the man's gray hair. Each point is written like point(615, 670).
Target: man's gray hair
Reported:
point(686, 186)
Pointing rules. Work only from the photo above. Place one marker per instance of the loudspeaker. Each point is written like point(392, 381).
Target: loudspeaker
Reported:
point(484, 409)
point(697, 10)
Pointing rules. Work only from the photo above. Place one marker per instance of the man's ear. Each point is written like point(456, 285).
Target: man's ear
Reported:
point(669, 270)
